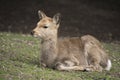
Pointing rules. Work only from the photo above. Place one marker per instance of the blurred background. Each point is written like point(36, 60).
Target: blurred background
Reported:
point(100, 18)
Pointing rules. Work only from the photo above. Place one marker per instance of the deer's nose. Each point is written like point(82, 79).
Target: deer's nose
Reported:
point(32, 32)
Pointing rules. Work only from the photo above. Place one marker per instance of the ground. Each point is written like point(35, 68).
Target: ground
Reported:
point(20, 55)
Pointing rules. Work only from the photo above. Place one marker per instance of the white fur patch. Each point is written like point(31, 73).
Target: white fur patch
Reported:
point(109, 65)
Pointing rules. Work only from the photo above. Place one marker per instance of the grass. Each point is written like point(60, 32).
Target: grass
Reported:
point(19, 60)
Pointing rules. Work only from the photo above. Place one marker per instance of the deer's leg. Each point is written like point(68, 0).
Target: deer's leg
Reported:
point(69, 66)
point(94, 66)
point(93, 56)
point(42, 64)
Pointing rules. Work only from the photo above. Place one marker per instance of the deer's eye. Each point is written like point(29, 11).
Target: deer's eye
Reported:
point(45, 27)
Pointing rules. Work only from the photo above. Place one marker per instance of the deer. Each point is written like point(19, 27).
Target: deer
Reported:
point(85, 53)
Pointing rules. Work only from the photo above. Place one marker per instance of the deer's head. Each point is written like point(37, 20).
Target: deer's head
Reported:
point(47, 27)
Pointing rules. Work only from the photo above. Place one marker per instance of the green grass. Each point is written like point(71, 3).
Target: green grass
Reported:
point(19, 60)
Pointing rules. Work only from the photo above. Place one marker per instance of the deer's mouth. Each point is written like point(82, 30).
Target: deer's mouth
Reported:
point(36, 35)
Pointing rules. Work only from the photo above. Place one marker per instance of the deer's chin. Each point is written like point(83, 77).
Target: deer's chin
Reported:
point(36, 36)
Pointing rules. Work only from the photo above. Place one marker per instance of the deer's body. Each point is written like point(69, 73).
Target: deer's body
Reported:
point(77, 53)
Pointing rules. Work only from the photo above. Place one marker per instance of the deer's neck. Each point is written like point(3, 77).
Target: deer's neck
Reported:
point(49, 51)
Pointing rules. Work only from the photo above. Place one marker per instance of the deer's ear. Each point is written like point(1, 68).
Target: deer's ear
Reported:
point(57, 18)
point(41, 14)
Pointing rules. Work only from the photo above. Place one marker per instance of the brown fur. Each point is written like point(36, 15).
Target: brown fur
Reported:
point(76, 53)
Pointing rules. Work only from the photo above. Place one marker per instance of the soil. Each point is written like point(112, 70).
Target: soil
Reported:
point(100, 18)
